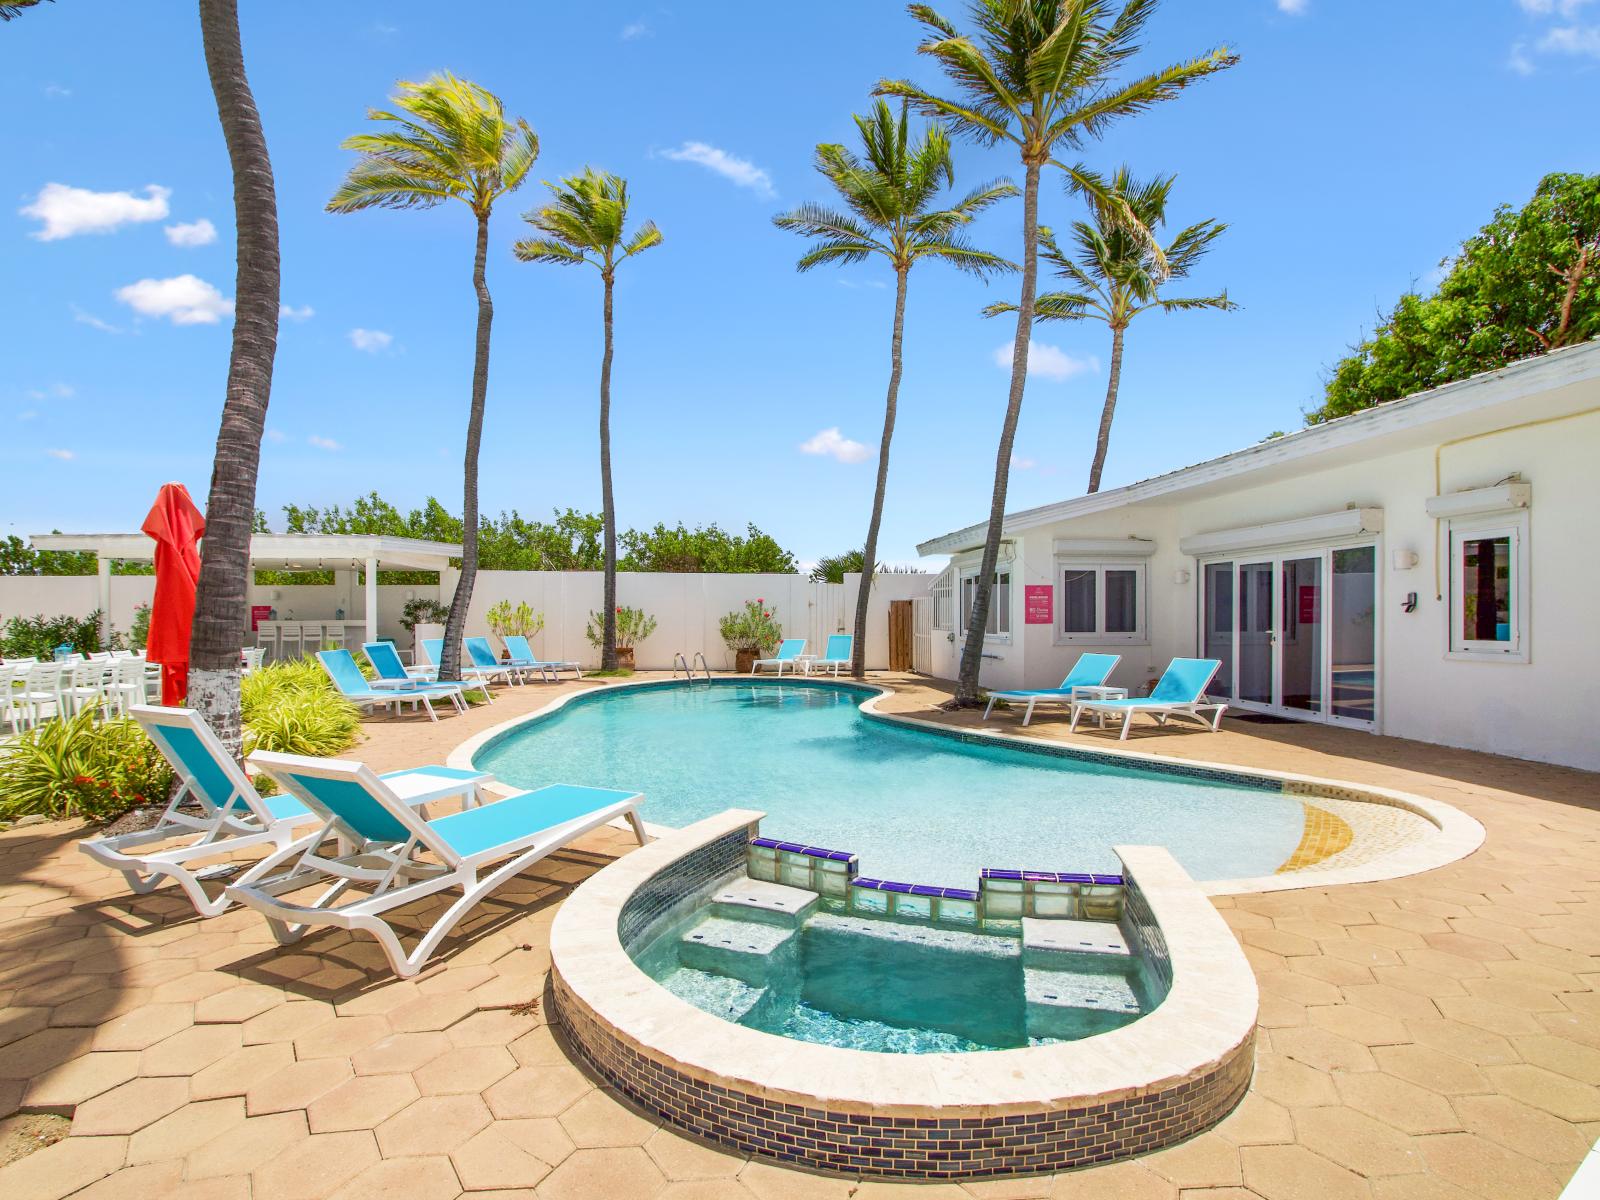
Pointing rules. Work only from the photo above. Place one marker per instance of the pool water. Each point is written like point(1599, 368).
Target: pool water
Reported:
point(869, 983)
point(914, 806)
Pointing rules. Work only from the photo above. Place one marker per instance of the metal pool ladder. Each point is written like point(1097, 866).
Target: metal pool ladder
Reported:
point(678, 660)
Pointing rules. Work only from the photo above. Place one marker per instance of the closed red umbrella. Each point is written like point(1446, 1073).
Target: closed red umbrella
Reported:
point(176, 525)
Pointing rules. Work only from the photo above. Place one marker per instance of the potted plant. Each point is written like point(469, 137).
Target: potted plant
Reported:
point(423, 618)
point(633, 626)
point(504, 620)
point(751, 633)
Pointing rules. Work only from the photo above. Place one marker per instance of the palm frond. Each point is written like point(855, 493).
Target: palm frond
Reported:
point(842, 251)
point(549, 251)
point(963, 256)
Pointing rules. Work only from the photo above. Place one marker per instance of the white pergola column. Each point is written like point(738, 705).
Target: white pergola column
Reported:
point(372, 599)
point(102, 568)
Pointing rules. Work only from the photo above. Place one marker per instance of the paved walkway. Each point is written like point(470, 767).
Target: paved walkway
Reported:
point(1436, 1037)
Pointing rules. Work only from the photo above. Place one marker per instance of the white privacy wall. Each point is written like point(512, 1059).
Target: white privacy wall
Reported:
point(1542, 709)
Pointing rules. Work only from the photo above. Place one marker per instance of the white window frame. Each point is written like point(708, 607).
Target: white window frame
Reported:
point(1140, 636)
point(943, 591)
point(1512, 525)
point(999, 613)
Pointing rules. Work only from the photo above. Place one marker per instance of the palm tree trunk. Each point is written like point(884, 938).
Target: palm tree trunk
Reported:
point(972, 652)
point(220, 598)
point(1104, 441)
point(608, 647)
point(869, 556)
point(455, 626)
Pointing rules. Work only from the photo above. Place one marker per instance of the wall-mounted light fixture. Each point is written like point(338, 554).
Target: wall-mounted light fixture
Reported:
point(1404, 560)
point(1181, 575)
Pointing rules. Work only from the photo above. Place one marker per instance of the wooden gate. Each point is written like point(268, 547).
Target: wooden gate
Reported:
point(899, 635)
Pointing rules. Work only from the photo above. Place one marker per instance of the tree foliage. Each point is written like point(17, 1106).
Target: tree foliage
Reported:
point(18, 557)
point(1527, 282)
point(706, 548)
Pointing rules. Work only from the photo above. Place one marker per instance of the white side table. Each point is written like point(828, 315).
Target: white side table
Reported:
point(1099, 692)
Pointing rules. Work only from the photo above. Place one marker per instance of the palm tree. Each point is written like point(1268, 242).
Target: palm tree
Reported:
point(890, 199)
point(451, 139)
point(586, 223)
point(220, 596)
point(1042, 75)
point(1117, 275)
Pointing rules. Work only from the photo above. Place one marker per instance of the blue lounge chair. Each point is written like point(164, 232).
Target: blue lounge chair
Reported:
point(342, 668)
point(1180, 692)
point(392, 673)
point(434, 649)
point(483, 659)
point(835, 655)
point(522, 655)
point(1090, 671)
point(231, 816)
point(789, 652)
point(401, 857)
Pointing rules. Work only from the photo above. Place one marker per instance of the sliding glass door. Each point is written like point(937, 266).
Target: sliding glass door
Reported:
point(1295, 632)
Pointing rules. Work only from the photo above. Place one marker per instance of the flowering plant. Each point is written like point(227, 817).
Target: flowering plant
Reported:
point(752, 628)
point(503, 619)
point(633, 625)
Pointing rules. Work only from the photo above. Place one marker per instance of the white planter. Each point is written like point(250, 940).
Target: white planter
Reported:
point(423, 629)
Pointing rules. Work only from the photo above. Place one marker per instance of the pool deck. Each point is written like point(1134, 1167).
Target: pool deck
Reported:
point(1435, 1036)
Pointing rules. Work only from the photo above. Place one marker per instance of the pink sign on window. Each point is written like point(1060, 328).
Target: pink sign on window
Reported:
point(1038, 602)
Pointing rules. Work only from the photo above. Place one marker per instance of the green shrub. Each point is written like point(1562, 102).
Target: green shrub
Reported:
point(80, 768)
point(754, 627)
point(293, 708)
point(38, 636)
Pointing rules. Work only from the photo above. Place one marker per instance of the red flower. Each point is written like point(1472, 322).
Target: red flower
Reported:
point(759, 600)
point(766, 614)
point(619, 610)
point(82, 779)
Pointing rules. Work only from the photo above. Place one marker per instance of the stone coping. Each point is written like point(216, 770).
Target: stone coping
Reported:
point(1206, 1021)
point(1458, 834)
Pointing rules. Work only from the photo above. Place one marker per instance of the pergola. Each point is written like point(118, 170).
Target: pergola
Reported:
point(367, 553)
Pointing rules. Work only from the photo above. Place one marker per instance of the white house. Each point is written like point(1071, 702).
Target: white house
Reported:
point(1428, 569)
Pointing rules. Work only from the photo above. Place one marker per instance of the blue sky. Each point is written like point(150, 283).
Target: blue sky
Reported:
point(1355, 145)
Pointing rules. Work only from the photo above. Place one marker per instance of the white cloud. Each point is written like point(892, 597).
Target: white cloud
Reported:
point(1518, 59)
point(324, 443)
point(834, 444)
point(56, 391)
point(1047, 361)
point(862, 283)
point(56, 92)
point(277, 436)
point(290, 313)
point(1551, 8)
point(63, 455)
point(1018, 463)
point(185, 299)
point(370, 340)
point(92, 321)
point(634, 30)
point(67, 211)
point(1573, 39)
point(1294, 8)
point(738, 170)
point(27, 414)
point(195, 233)
point(1580, 40)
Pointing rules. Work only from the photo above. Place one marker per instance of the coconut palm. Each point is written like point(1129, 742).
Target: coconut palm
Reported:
point(1117, 274)
point(1045, 76)
point(451, 140)
point(586, 223)
point(220, 596)
point(890, 200)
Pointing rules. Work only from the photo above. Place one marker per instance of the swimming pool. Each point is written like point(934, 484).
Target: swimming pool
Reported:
point(914, 805)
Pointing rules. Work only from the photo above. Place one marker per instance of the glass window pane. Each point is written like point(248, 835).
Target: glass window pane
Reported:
point(1219, 623)
point(1122, 601)
point(1077, 601)
point(1354, 628)
point(1300, 646)
point(1486, 589)
point(1000, 604)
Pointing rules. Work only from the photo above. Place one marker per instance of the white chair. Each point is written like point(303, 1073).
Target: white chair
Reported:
point(267, 634)
point(84, 685)
point(13, 673)
point(251, 659)
point(332, 636)
point(41, 689)
point(291, 640)
point(126, 687)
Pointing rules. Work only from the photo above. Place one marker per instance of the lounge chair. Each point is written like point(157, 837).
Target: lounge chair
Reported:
point(392, 673)
point(836, 655)
point(522, 655)
point(353, 686)
point(434, 649)
point(789, 652)
point(1179, 693)
point(1090, 671)
point(475, 850)
point(482, 657)
point(218, 810)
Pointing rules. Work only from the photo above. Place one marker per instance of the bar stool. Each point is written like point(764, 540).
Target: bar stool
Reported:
point(291, 640)
point(267, 639)
point(333, 635)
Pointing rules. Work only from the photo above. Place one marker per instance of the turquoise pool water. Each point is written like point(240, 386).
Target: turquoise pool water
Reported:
point(915, 806)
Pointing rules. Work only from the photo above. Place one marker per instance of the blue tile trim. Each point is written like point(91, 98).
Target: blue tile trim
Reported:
point(767, 843)
point(1051, 876)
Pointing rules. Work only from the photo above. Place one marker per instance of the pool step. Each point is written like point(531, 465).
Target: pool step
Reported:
point(1043, 937)
point(731, 999)
point(1077, 1001)
point(769, 903)
point(753, 951)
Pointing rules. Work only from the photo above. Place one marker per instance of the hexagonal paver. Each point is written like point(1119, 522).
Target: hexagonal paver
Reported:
point(143, 1027)
point(714, 1189)
point(431, 1178)
point(1323, 1051)
point(604, 1118)
point(190, 1050)
point(766, 1181)
point(1397, 1103)
point(63, 1168)
point(314, 1168)
point(1203, 1161)
point(399, 1052)
point(471, 1069)
point(545, 1091)
point(489, 1159)
point(432, 1125)
point(237, 1004)
point(341, 1037)
point(235, 1074)
point(1129, 1180)
point(1295, 1173)
point(427, 1013)
point(363, 1102)
point(1432, 1069)
point(297, 1085)
point(1360, 1025)
point(1465, 1042)
point(1484, 1169)
point(1292, 1084)
point(1524, 1130)
point(682, 1157)
point(131, 1107)
point(81, 1078)
point(1351, 1139)
point(1547, 1091)
point(185, 1130)
point(617, 1172)
point(242, 1148)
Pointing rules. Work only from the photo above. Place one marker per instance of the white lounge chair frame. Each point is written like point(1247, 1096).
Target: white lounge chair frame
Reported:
point(796, 662)
point(395, 872)
point(1061, 695)
point(1159, 709)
